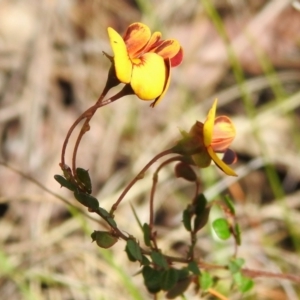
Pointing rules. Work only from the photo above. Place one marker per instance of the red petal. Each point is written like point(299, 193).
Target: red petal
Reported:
point(177, 59)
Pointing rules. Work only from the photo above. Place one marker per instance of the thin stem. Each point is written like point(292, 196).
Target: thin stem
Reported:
point(85, 127)
point(88, 114)
point(79, 119)
point(258, 273)
point(37, 183)
point(151, 204)
point(217, 294)
point(197, 188)
point(139, 176)
point(125, 91)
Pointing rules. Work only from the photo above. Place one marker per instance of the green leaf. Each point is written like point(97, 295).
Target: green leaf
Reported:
point(183, 273)
point(106, 215)
point(134, 250)
point(104, 239)
point(244, 284)
point(193, 267)
point(111, 222)
point(145, 261)
point(200, 204)
point(159, 259)
point(229, 204)
point(205, 281)
point(84, 178)
point(147, 233)
point(65, 183)
point(136, 216)
point(151, 279)
point(238, 237)
point(235, 265)
point(87, 200)
point(186, 219)
point(201, 220)
point(168, 279)
point(221, 228)
point(179, 288)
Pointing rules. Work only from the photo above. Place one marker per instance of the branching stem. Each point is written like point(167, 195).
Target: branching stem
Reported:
point(139, 176)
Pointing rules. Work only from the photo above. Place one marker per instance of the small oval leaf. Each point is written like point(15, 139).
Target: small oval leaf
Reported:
point(151, 279)
point(65, 183)
point(134, 250)
point(200, 204)
point(221, 228)
point(179, 288)
point(205, 281)
point(147, 233)
point(87, 200)
point(201, 220)
point(159, 259)
point(168, 279)
point(244, 284)
point(235, 265)
point(193, 267)
point(104, 239)
point(186, 219)
point(84, 178)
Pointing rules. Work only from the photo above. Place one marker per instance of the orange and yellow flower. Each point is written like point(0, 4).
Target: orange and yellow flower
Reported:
point(144, 61)
point(204, 140)
point(218, 135)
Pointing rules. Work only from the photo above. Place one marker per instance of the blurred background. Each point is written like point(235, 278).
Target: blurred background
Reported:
point(245, 53)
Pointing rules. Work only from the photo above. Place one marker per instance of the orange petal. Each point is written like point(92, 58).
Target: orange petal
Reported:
point(136, 38)
point(225, 168)
point(153, 42)
point(167, 49)
point(167, 83)
point(223, 133)
point(209, 124)
point(149, 76)
point(123, 65)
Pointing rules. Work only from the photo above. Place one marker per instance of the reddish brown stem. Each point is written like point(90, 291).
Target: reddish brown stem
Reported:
point(151, 204)
point(79, 119)
point(137, 177)
point(88, 114)
point(258, 273)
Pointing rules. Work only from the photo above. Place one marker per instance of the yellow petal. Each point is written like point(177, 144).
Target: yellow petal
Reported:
point(167, 83)
point(136, 38)
point(209, 124)
point(123, 64)
point(225, 168)
point(149, 76)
